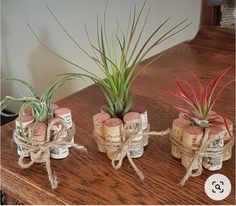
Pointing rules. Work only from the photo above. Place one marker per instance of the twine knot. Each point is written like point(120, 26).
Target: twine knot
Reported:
point(198, 154)
point(40, 151)
point(128, 143)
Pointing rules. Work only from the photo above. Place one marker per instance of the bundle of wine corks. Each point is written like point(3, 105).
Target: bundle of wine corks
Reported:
point(187, 140)
point(41, 141)
point(108, 131)
point(37, 131)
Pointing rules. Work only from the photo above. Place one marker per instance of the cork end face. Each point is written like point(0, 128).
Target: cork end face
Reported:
point(62, 111)
point(181, 122)
point(38, 128)
point(26, 118)
point(101, 117)
point(130, 116)
point(28, 111)
point(194, 130)
point(113, 122)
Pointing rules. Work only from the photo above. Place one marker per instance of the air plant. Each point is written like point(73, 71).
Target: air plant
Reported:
point(118, 59)
point(201, 100)
point(41, 106)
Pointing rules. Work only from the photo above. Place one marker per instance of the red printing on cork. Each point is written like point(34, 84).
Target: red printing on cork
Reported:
point(101, 117)
point(62, 111)
point(113, 122)
point(131, 116)
point(194, 130)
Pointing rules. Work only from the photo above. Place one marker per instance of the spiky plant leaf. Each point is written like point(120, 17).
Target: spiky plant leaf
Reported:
point(202, 101)
point(119, 70)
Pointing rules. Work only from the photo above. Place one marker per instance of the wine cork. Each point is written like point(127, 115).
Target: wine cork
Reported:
point(136, 152)
point(23, 131)
point(112, 132)
point(133, 119)
point(28, 111)
point(37, 131)
point(227, 154)
point(65, 114)
point(58, 152)
point(56, 127)
point(112, 129)
point(177, 130)
point(144, 119)
point(143, 113)
point(98, 122)
point(192, 137)
point(25, 121)
point(215, 163)
point(227, 136)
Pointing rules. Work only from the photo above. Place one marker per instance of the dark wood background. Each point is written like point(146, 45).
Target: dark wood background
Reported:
point(90, 179)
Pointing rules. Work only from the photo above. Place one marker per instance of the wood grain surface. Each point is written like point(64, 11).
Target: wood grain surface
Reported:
point(90, 179)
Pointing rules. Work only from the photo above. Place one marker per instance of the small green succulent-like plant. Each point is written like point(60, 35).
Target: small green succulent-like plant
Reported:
point(41, 106)
point(118, 57)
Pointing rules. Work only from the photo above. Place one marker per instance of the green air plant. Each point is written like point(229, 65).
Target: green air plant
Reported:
point(119, 56)
point(201, 100)
point(41, 106)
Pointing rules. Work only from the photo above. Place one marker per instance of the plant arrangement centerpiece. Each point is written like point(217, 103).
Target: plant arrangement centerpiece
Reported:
point(201, 137)
point(120, 126)
point(42, 129)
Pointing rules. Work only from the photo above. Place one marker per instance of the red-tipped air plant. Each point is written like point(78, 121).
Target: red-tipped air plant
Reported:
point(201, 101)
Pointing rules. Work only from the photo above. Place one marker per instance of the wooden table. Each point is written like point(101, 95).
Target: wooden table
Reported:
point(90, 179)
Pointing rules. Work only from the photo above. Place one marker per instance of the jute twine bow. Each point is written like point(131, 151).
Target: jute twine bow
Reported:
point(40, 151)
point(198, 154)
point(127, 143)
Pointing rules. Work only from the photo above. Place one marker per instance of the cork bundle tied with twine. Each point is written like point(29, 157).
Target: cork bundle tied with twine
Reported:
point(201, 152)
point(40, 153)
point(126, 144)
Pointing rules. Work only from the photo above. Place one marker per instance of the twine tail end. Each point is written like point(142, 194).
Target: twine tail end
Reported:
point(54, 182)
point(81, 148)
point(141, 176)
point(182, 182)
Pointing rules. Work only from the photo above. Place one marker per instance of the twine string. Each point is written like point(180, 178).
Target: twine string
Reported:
point(198, 154)
point(126, 144)
point(40, 152)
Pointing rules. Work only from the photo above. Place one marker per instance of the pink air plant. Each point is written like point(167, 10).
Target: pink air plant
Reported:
point(202, 100)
